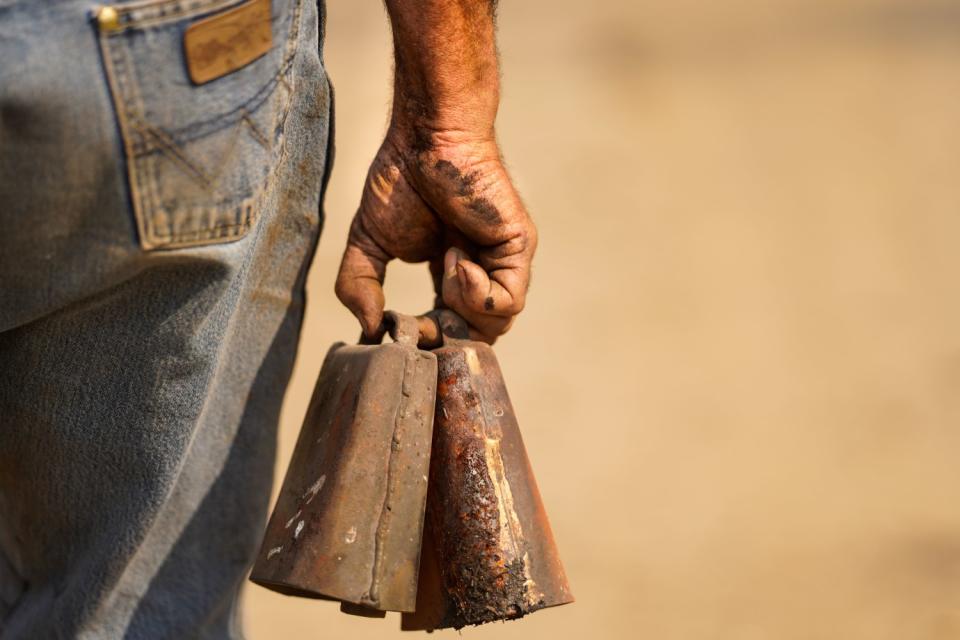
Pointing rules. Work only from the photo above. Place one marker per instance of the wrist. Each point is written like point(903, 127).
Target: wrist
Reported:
point(419, 143)
point(430, 116)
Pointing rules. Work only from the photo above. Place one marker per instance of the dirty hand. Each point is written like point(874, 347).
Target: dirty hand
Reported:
point(454, 207)
point(437, 190)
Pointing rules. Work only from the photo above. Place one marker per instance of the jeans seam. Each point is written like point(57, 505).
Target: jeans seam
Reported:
point(117, 80)
point(171, 149)
point(149, 202)
point(255, 132)
point(154, 13)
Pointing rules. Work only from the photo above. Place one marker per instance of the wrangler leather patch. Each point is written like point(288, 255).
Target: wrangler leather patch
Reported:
point(228, 41)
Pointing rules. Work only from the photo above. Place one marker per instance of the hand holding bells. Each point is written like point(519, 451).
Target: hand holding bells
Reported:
point(349, 524)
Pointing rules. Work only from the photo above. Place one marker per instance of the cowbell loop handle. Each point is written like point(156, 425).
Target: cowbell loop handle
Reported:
point(428, 331)
point(441, 327)
point(402, 328)
point(451, 326)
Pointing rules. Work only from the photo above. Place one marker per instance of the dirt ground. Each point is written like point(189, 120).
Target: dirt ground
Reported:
point(738, 375)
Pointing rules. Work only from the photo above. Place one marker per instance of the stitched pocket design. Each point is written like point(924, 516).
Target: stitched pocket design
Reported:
point(198, 157)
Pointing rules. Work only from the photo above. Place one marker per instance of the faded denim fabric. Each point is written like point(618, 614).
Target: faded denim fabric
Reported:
point(154, 241)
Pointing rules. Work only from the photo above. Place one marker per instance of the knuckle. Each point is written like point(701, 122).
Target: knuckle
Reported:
point(357, 229)
point(533, 236)
point(343, 290)
point(519, 244)
point(518, 298)
point(348, 291)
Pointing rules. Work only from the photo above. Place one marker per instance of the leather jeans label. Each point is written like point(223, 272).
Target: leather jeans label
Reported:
point(228, 41)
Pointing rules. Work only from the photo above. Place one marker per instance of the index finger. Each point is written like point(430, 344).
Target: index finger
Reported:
point(359, 283)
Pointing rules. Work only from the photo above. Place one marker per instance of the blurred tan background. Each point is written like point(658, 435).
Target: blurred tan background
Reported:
point(739, 372)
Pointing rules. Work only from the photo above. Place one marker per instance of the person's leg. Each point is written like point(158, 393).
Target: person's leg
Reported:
point(140, 389)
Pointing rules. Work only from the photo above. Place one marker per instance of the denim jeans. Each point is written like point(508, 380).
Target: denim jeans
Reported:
point(154, 240)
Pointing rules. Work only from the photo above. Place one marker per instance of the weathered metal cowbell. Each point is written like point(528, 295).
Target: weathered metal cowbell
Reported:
point(349, 519)
point(488, 551)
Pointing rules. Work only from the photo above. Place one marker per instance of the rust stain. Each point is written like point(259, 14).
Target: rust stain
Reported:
point(490, 554)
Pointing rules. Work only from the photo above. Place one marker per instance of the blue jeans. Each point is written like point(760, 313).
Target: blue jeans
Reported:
point(154, 241)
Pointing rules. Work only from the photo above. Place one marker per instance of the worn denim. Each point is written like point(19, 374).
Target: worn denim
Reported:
point(154, 241)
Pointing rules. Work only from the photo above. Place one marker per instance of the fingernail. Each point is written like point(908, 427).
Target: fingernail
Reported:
point(450, 264)
point(462, 275)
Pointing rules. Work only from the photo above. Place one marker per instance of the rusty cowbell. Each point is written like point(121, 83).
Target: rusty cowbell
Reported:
point(348, 522)
point(488, 551)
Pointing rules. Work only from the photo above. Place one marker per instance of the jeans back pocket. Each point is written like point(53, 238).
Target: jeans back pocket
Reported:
point(198, 156)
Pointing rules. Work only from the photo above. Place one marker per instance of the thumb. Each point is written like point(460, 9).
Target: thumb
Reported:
point(360, 280)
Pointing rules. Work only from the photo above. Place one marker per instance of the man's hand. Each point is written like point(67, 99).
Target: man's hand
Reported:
point(455, 207)
point(437, 190)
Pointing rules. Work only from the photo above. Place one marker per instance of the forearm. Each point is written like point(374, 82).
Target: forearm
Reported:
point(446, 80)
